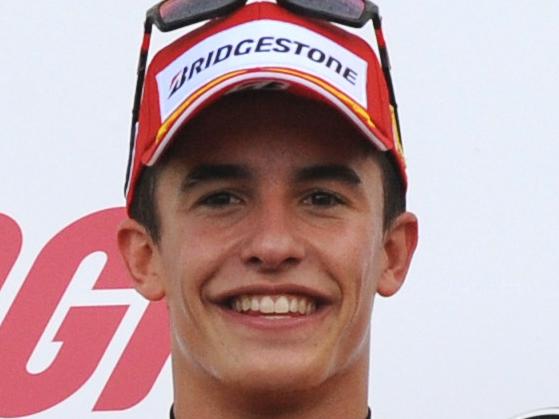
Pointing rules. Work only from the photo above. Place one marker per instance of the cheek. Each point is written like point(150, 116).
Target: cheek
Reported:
point(187, 267)
point(193, 252)
point(195, 255)
point(358, 269)
point(353, 261)
point(356, 252)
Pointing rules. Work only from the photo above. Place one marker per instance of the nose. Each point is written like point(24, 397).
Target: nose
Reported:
point(273, 244)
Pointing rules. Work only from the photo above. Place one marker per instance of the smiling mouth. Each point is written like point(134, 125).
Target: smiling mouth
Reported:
point(274, 306)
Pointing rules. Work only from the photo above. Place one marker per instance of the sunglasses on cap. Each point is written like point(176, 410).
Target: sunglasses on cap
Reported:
point(170, 15)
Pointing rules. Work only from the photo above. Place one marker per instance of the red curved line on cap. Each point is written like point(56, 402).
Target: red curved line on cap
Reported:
point(359, 110)
point(164, 129)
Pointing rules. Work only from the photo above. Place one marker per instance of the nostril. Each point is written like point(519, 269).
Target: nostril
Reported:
point(254, 261)
point(272, 264)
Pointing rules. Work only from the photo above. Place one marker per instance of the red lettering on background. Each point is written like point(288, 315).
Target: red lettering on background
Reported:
point(85, 332)
point(10, 246)
point(140, 363)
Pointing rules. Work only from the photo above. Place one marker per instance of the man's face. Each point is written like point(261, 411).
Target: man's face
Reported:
point(272, 243)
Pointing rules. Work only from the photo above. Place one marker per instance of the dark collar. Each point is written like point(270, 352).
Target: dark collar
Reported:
point(173, 415)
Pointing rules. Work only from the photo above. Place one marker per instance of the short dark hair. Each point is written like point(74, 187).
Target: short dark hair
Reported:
point(393, 187)
point(144, 210)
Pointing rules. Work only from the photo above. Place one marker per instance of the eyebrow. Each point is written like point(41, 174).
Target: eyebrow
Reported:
point(333, 172)
point(214, 172)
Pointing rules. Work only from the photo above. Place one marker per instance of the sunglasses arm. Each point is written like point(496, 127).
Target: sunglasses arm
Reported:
point(386, 67)
point(383, 51)
point(141, 74)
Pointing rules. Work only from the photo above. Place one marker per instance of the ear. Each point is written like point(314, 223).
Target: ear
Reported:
point(400, 242)
point(141, 257)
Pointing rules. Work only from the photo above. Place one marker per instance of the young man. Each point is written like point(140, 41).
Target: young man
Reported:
point(267, 205)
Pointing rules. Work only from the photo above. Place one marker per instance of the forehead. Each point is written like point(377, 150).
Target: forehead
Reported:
point(276, 125)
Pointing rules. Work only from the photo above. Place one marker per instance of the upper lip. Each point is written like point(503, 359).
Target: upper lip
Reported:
point(272, 289)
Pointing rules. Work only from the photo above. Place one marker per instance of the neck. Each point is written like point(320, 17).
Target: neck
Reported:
point(343, 396)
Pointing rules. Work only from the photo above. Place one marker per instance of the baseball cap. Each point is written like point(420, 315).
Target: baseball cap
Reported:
point(262, 46)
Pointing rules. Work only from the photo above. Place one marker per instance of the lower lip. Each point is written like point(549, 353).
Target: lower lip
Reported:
point(278, 323)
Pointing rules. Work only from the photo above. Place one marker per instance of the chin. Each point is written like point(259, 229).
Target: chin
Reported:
point(284, 373)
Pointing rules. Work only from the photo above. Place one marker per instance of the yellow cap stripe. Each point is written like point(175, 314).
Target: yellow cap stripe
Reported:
point(166, 126)
point(358, 109)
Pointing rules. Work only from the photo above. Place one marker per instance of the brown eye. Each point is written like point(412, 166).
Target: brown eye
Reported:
point(323, 199)
point(221, 199)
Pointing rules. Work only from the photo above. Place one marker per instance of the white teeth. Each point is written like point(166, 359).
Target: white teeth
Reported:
point(310, 308)
point(281, 306)
point(246, 303)
point(302, 306)
point(268, 304)
point(294, 305)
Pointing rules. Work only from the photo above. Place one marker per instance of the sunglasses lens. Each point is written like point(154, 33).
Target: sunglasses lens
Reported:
point(344, 9)
point(173, 11)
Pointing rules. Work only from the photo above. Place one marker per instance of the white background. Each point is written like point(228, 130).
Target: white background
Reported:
point(474, 333)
